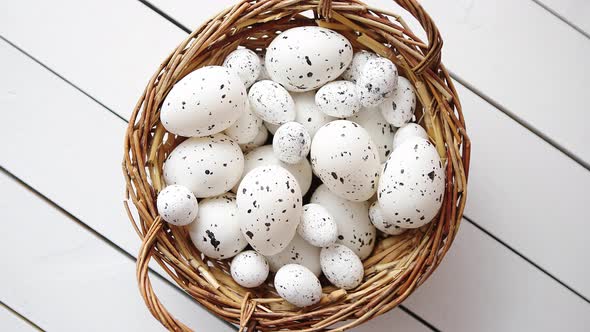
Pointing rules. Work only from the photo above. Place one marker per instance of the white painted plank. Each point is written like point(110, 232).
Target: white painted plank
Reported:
point(65, 278)
point(482, 287)
point(13, 323)
point(576, 12)
point(498, 166)
point(75, 141)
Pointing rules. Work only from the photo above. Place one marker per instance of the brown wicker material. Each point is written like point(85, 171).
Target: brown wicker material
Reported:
point(398, 264)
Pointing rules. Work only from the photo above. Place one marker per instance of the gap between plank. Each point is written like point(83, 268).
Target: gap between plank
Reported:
point(562, 18)
point(84, 225)
point(21, 316)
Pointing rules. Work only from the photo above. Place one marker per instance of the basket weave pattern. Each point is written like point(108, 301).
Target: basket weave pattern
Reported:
point(397, 265)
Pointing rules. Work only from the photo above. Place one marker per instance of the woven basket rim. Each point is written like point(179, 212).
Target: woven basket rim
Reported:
point(397, 266)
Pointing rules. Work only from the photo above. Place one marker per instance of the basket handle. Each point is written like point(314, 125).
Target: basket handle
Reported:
point(433, 50)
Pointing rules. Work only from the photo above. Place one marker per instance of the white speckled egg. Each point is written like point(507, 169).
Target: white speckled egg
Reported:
point(258, 141)
point(338, 99)
point(216, 231)
point(177, 205)
point(291, 143)
point(249, 269)
point(345, 158)
point(408, 131)
point(380, 131)
point(412, 186)
point(269, 206)
point(341, 266)
point(298, 285)
point(377, 81)
point(359, 59)
point(354, 227)
point(271, 102)
point(263, 72)
point(381, 223)
point(305, 58)
point(308, 113)
point(204, 102)
point(264, 155)
point(317, 226)
point(297, 252)
point(398, 109)
point(245, 63)
point(246, 128)
point(208, 166)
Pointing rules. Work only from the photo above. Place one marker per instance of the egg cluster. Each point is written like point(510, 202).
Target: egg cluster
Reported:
point(340, 117)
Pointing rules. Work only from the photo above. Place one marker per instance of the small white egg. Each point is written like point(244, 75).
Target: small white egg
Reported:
point(359, 60)
point(305, 58)
point(177, 205)
point(271, 102)
point(407, 131)
point(398, 109)
point(258, 141)
point(207, 166)
point(354, 227)
point(291, 143)
point(345, 158)
point(245, 63)
point(377, 81)
point(297, 252)
point(341, 266)
point(412, 186)
point(317, 226)
point(204, 102)
point(381, 223)
point(264, 155)
point(338, 99)
point(380, 131)
point(216, 231)
point(308, 113)
point(298, 285)
point(269, 208)
point(246, 128)
point(249, 269)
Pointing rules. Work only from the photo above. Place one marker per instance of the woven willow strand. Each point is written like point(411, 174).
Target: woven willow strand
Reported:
point(397, 265)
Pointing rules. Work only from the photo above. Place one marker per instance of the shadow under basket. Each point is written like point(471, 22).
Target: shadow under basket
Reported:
point(397, 266)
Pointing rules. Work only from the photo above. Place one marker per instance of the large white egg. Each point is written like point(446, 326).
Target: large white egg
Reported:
point(204, 102)
point(381, 223)
point(408, 131)
point(291, 143)
point(359, 59)
point(412, 186)
point(177, 205)
point(398, 109)
point(216, 231)
point(341, 266)
point(380, 131)
point(269, 207)
point(298, 285)
point(245, 63)
point(271, 102)
point(317, 226)
point(308, 113)
point(249, 269)
point(208, 166)
point(258, 141)
point(354, 227)
point(297, 252)
point(246, 127)
point(305, 58)
point(377, 81)
point(264, 155)
point(338, 99)
point(346, 159)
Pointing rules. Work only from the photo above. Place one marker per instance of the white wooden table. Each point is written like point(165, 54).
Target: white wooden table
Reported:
point(72, 71)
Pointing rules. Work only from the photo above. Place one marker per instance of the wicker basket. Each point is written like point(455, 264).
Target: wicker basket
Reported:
point(397, 265)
